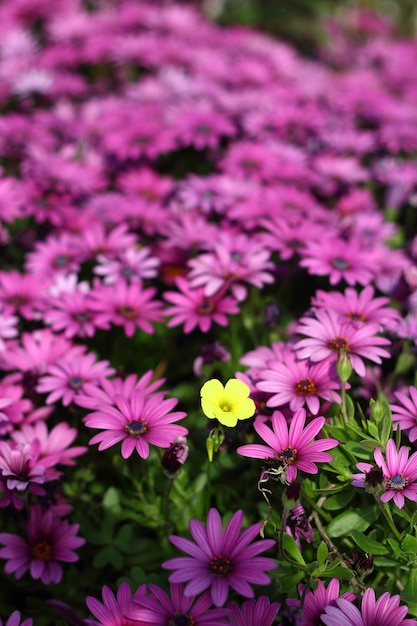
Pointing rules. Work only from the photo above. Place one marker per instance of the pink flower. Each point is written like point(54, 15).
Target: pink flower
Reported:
point(136, 422)
point(20, 467)
point(386, 611)
point(49, 542)
point(127, 305)
point(19, 293)
point(66, 378)
point(14, 620)
point(7, 329)
point(400, 473)
point(316, 601)
point(404, 415)
point(131, 265)
point(327, 336)
point(113, 610)
point(259, 612)
point(191, 307)
point(221, 559)
point(293, 449)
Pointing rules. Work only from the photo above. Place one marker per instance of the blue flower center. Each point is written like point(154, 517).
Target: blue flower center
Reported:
point(75, 382)
point(339, 263)
point(181, 619)
point(288, 455)
point(397, 482)
point(136, 428)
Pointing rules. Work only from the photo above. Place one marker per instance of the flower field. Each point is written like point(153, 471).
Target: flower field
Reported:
point(208, 320)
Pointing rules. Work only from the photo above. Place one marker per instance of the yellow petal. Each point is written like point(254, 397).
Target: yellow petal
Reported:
point(236, 389)
point(212, 390)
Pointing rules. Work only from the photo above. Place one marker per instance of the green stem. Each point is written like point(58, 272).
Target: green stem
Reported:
point(208, 487)
point(344, 408)
point(387, 514)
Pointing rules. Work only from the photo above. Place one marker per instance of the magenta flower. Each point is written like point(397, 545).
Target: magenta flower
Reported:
point(113, 610)
point(404, 415)
point(293, 449)
point(20, 469)
point(327, 337)
point(14, 620)
point(260, 612)
point(400, 473)
point(49, 542)
point(193, 308)
point(160, 609)
point(386, 611)
point(221, 559)
point(299, 383)
point(136, 422)
point(315, 601)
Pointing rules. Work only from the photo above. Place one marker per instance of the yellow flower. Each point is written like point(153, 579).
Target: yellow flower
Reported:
point(228, 403)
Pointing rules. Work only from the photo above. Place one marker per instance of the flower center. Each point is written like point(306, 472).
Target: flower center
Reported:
point(288, 455)
point(75, 382)
point(339, 343)
point(42, 550)
point(357, 317)
point(136, 428)
point(305, 387)
point(128, 312)
point(17, 299)
point(82, 317)
point(220, 565)
point(397, 482)
point(205, 307)
point(339, 263)
point(181, 619)
point(61, 260)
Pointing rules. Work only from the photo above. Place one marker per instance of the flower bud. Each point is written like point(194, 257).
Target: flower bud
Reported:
point(344, 366)
point(377, 410)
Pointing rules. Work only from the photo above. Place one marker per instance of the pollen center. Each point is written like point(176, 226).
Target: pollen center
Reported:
point(128, 312)
point(357, 317)
point(220, 565)
point(136, 428)
point(42, 550)
point(206, 307)
point(288, 455)
point(75, 382)
point(339, 263)
point(181, 619)
point(339, 343)
point(397, 482)
point(305, 387)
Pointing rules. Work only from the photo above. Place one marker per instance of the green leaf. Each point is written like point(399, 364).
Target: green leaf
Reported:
point(291, 548)
point(409, 593)
point(396, 548)
point(123, 539)
point(338, 572)
point(369, 444)
point(111, 499)
point(109, 555)
point(350, 407)
point(339, 500)
point(409, 544)
point(343, 524)
point(368, 545)
point(322, 552)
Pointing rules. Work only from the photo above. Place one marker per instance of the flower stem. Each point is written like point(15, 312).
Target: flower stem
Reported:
point(344, 408)
point(387, 514)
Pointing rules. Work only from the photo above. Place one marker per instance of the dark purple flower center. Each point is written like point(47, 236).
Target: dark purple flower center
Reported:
point(397, 482)
point(136, 428)
point(128, 312)
point(339, 343)
point(206, 307)
point(339, 263)
point(374, 477)
point(82, 317)
point(61, 260)
point(357, 317)
point(75, 382)
point(288, 455)
point(305, 387)
point(220, 565)
point(17, 299)
point(42, 550)
point(294, 243)
point(181, 619)
point(127, 272)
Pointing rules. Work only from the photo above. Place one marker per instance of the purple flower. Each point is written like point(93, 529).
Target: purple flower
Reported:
point(49, 542)
point(386, 611)
point(113, 610)
point(221, 559)
point(400, 473)
point(14, 620)
point(160, 609)
point(289, 450)
point(136, 422)
point(260, 612)
point(19, 467)
point(404, 415)
point(315, 601)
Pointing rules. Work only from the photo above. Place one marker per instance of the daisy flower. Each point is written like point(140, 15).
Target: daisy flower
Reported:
point(176, 609)
point(193, 308)
point(14, 620)
point(400, 473)
point(113, 610)
point(404, 414)
point(315, 601)
point(327, 337)
point(49, 542)
point(132, 265)
point(137, 422)
point(221, 559)
point(386, 611)
point(260, 612)
point(7, 328)
point(293, 449)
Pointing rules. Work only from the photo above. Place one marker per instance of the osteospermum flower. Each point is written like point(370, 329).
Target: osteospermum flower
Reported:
point(260, 612)
point(327, 336)
point(228, 403)
point(221, 559)
point(49, 542)
point(137, 422)
point(386, 611)
point(293, 449)
point(160, 609)
point(113, 610)
point(315, 601)
point(400, 473)
point(404, 415)
point(14, 620)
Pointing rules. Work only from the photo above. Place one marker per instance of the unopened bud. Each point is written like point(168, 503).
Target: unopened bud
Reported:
point(377, 410)
point(344, 366)
point(214, 441)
